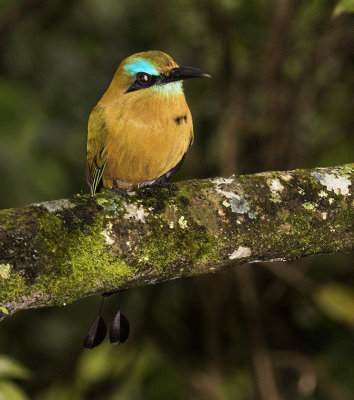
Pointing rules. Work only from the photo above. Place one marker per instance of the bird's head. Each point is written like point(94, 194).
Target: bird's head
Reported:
point(154, 71)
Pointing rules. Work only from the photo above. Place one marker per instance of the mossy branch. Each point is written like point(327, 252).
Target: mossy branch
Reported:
point(56, 252)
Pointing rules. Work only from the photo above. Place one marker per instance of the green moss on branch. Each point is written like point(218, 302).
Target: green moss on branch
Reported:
point(56, 252)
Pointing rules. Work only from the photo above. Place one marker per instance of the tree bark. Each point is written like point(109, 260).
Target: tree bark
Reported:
point(57, 252)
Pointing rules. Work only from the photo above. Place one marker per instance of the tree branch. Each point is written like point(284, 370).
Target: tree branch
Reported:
point(56, 252)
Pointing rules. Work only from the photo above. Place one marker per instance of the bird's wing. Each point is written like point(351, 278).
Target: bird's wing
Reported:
point(167, 176)
point(96, 156)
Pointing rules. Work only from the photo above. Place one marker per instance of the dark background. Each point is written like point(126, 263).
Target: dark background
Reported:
point(281, 97)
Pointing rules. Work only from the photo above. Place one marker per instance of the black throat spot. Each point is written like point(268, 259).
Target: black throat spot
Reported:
point(179, 119)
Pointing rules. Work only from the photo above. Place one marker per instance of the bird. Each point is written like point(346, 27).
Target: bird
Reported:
point(138, 135)
point(141, 128)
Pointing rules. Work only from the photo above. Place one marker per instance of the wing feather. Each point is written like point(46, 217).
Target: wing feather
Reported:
point(96, 156)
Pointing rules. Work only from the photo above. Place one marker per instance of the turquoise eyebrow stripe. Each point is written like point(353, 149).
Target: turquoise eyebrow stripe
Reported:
point(140, 65)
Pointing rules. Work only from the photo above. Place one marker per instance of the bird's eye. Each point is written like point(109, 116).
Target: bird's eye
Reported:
point(142, 81)
point(144, 78)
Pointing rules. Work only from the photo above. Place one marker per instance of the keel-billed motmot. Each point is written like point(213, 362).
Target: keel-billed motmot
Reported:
point(140, 130)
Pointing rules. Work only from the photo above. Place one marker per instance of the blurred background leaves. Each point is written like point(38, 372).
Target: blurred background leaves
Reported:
point(344, 6)
point(281, 97)
point(11, 369)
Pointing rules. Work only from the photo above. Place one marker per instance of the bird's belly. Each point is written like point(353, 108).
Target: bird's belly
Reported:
point(145, 154)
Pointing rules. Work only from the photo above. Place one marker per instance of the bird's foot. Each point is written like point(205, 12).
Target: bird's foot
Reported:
point(119, 191)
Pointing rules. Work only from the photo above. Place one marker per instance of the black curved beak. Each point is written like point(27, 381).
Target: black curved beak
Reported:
point(178, 74)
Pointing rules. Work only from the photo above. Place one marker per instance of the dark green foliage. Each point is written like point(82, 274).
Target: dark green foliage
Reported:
point(281, 97)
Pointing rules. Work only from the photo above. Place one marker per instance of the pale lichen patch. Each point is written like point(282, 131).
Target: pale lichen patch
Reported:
point(324, 215)
point(107, 234)
point(241, 252)
point(275, 188)
point(109, 205)
point(5, 270)
point(286, 177)
point(182, 222)
point(336, 184)
point(226, 194)
point(238, 203)
point(137, 213)
point(322, 193)
point(222, 181)
point(57, 205)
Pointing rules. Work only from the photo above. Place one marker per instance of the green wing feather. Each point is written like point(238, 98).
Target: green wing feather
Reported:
point(96, 157)
point(95, 176)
